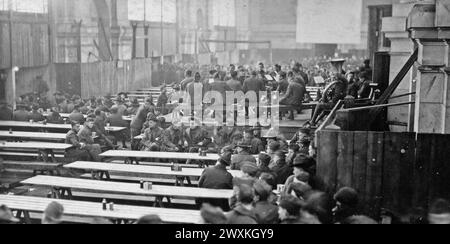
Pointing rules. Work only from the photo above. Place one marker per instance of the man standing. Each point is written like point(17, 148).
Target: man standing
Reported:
point(234, 84)
point(187, 79)
point(294, 96)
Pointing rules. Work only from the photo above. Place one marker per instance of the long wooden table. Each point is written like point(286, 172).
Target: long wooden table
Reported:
point(33, 135)
point(122, 213)
point(65, 115)
point(102, 171)
point(62, 187)
point(65, 127)
point(132, 156)
point(43, 149)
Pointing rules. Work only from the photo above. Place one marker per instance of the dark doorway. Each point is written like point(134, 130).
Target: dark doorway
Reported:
point(3, 79)
point(377, 40)
point(328, 50)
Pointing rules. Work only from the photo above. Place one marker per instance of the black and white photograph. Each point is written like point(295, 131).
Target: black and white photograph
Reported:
point(255, 113)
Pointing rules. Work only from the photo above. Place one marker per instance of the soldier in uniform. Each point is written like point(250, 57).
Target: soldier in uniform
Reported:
point(255, 143)
point(134, 107)
point(243, 156)
point(5, 112)
point(138, 122)
point(99, 128)
point(173, 138)
point(35, 115)
point(197, 137)
point(79, 151)
point(153, 136)
point(21, 113)
point(85, 136)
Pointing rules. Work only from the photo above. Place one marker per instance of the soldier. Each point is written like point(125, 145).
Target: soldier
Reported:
point(120, 105)
point(21, 113)
point(78, 152)
point(173, 138)
point(99, 128)
point(138, 122)
point(35, 115)
point(85, 136)
point(76, 115)
point(303, 132)
point(134, 107)
point(255, 143)
point(243, 156)
point(5, 112)
point(153, 136)
point(196, 137)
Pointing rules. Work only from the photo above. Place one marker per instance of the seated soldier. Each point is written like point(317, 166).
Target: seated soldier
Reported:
point(134, 107)
point(255, 143)
point(35, 115)
point(21, 114)
point(99, 128)
point(242, 156)
point(79, 152)
point(153, 136)
point(220, 137)
point(55, 118)
point(173, 138)
point(85, 136)
point(115, 119)
point(303, 132)
point(280, 168)
point(266, 212)
point(76, 115)
point(5, 111)
point(217, 177)
point(197, 137)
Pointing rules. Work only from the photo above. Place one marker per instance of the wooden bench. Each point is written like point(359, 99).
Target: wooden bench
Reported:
point(62, 188)
point(23, 206)
point(36, 167)
point(45, 151)
point(102, 171)
point(38, 136)
point(131, 157)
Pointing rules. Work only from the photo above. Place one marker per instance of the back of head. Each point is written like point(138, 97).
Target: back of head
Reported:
point(359, 220)
point(262, 189)
point(321, 205)
point(114, 110)
point(149, 220)
point(234, 74)
point(212, 215)
point(246, 194)
point(53, 213)
point(347, 196)
point(269, 179)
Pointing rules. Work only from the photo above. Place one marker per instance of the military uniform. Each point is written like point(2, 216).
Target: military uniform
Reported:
point(85, 136)
point(20, 115)
point(238, 160)
point(76, 153)
point(152, 139)
point(196, 136)
point(172, 140)
point(6, 113)
point(36, 116)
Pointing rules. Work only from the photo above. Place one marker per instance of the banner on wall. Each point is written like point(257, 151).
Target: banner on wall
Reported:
point(329, 21)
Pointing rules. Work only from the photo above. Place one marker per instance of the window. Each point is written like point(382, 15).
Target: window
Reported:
point(150, 10)
point(224, 13)
point(25, 6)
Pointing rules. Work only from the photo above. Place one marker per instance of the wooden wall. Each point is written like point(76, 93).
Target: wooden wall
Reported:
point(113, 77)
point(389, 170)
point(30, 40)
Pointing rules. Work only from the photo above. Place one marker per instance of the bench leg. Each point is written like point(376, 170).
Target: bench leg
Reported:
point(159, 202)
